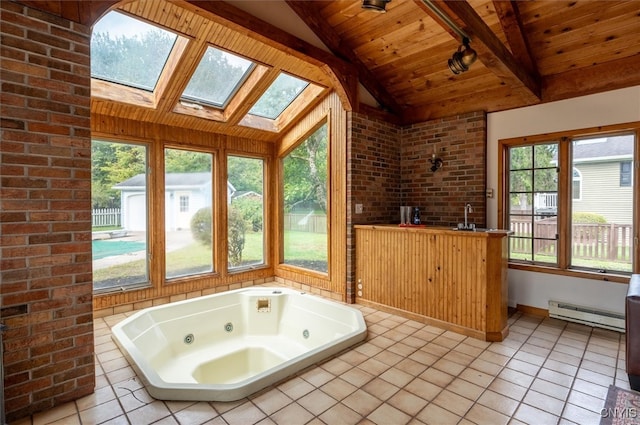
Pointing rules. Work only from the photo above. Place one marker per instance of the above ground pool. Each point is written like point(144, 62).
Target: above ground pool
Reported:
point(226, 346)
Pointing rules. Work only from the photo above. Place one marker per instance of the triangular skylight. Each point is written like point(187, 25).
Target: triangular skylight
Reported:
point(278, 96)
point(217, 78)
point(128, 51)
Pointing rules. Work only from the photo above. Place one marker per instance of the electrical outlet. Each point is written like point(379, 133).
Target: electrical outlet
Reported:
point(489, 193)
point(358, 208)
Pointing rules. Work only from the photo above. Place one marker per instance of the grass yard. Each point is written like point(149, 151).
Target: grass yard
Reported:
point(302, 249)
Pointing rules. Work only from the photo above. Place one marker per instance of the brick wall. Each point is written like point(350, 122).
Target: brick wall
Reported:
point(45, 229)
point(374, 165)
point(441, 195)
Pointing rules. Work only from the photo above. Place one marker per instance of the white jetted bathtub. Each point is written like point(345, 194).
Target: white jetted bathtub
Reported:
point(226, 346)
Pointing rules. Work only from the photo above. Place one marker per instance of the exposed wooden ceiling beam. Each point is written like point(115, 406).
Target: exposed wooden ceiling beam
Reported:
point(580, 82)
point(491, 52)
point(511, 22)
point(307, 11)
point(344, 73)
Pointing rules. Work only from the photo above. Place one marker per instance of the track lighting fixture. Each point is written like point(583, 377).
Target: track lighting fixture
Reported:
point(462, 59)
point(375, 5)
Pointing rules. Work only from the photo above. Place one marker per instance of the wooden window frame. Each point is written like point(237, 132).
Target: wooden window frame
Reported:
point(564, 202)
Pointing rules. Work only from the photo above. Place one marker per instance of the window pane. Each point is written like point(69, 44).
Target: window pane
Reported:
point(119, 198)
point(545, 180)
point(520, 158)
point(128, 51)
point(245, 189)
point(533, 203)
point(278, 96)
point(521, 181)
point(188, 206)
point(217, 77)
point(305, 204)
point(602, 216)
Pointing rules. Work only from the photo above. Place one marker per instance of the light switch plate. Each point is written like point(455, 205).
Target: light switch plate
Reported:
point(358, 208)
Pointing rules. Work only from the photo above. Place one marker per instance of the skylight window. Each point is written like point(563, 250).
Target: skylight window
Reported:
point(128, 51)
point(217, 78)
point(278, 96)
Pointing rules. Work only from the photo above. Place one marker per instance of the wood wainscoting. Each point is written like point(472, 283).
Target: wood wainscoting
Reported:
point(449, 278)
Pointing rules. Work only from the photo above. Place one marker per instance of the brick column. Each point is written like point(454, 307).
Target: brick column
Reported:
point(45, 229)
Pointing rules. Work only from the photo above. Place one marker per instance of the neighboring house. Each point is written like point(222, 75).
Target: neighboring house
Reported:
point(602, 180)
point(185, 194)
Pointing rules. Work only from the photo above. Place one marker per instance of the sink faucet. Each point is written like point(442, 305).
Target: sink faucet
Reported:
point(467, 208)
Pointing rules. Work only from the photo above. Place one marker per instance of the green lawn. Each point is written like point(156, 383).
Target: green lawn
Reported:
point(301, 248)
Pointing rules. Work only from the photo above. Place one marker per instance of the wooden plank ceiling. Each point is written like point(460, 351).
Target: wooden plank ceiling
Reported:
point(529, 52)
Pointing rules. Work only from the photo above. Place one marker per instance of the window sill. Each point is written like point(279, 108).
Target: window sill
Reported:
point(583, 274)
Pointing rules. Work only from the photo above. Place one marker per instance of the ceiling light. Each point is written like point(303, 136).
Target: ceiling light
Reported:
point(376, 5)
point(462, 59)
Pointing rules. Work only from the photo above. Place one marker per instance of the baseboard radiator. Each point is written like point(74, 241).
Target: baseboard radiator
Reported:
point(587, 316)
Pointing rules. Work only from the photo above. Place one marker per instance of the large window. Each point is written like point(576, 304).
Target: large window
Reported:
point(188, 212)
point(602, 219)
point(305, 203)
point(585, 224)
point(119, 201)
point(245, 202)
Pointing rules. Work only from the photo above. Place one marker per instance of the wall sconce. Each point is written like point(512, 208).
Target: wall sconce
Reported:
point(436, 163)
point(462, 59)
point(375, 5)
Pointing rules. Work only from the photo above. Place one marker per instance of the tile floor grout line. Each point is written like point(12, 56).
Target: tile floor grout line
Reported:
point(521, 402)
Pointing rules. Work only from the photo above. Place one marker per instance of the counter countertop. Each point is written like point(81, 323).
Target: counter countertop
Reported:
point(435, 229)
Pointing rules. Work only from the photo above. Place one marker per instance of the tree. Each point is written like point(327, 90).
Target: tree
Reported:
point(181, 161)
point(305, 172)
point(113, 163)
point(532, 168)
point(245, 174)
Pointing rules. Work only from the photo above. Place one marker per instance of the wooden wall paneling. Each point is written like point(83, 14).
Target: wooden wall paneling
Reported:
point(451, 279)
point(220, 211)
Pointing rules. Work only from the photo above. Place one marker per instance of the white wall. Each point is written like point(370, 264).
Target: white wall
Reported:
point(614, 107)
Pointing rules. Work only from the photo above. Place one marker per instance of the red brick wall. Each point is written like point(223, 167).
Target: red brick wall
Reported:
point(441, 195)
point(45, 229)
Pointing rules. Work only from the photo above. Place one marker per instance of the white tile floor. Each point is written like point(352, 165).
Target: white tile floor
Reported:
point(546, 372)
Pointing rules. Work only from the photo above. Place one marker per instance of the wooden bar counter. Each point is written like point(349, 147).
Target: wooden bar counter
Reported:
point(449, 278)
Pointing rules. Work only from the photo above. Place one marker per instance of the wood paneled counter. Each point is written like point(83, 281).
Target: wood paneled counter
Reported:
point(449, 278)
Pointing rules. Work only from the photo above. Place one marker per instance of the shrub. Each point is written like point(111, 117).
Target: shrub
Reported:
point(236, 233)
point(251, 210)
point(588, 218)
point(201, 226)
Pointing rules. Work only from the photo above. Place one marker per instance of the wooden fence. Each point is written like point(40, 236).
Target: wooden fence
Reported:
point(105, 217)
point(606, 241)
point(310, 223)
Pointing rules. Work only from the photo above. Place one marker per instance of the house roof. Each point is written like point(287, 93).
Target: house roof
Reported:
point(608, 148)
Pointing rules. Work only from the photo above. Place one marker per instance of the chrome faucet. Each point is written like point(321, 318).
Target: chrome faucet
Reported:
point(467, 209)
